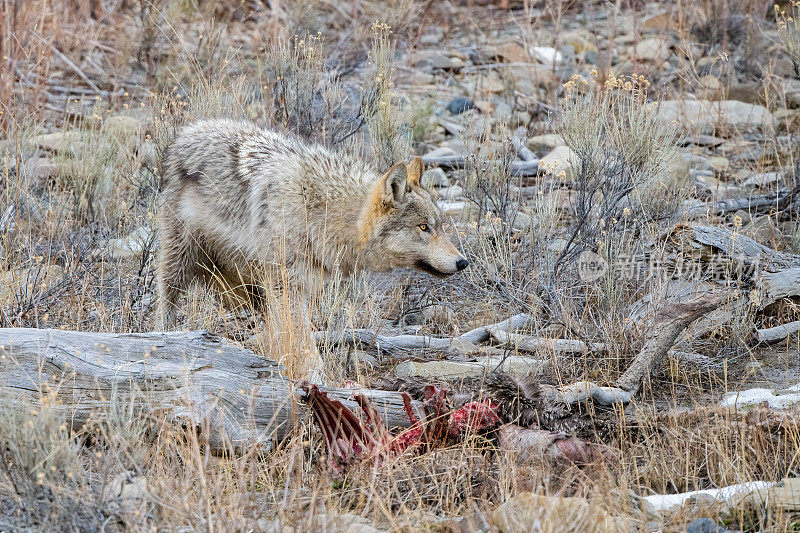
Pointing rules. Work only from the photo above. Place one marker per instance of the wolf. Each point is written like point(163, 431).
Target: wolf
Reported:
point(237, 196)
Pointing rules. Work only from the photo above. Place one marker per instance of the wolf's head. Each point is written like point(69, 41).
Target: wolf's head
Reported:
point(400, 226)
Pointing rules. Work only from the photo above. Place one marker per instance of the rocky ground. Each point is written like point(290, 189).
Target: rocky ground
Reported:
point(596, 162)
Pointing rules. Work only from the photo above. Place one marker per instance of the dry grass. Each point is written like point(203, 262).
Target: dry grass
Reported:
point(188, 60)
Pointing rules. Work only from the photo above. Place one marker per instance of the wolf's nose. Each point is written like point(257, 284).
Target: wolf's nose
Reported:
point(461, 264)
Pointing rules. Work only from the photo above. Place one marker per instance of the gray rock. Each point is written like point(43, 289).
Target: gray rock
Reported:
point(704, 525)
point(459, 104)
point(706, 116)
point(435, 177)
point(132, 245)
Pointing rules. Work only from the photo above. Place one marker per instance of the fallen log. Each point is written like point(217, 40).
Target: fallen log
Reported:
point(668, 323)
point(455, 162)
point(693, 209)
point(530, 343)
point(390, 343)
point(196, 379)
point(778, 333)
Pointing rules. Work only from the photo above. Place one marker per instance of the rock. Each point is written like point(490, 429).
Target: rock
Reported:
point(533, 512)
point(39, 170)
point(764, 230)
point(763, 179)
point(704, 525)
point(706, 116)
point(484, 84)
point(663, 21)
point(559, 159)
point(546, 55)
point(743, 216)
point(126, 493)
point(546, 142)
point(711, 87)
point(441, 152)
point(68, 142)
point(783, 496)
point(131, 246)
point(530, 77)
point(123, 126)
point(580, 40)
point(522, 222)
point(652, 49)
point(509, 52)
point(435, 177)
point(453, 209)
point(517, 365)
point(460, 104)
point(436, 59)
point(452, 192)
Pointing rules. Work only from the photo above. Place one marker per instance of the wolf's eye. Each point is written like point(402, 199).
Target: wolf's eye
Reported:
point(425, 228)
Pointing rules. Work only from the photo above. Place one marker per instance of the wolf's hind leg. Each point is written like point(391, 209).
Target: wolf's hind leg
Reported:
point(177, 268)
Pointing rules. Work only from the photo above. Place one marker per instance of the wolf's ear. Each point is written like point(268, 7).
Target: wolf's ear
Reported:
point(414, 171)
point(394, 185)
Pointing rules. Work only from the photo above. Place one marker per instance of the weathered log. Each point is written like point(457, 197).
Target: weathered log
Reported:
point(776, 285)
point(695, 238)
point(394, 343)
point(778, 333)
point(693, 209)
point(455, 161)
point(236, 397)
point(668, 323)
point(531, 343)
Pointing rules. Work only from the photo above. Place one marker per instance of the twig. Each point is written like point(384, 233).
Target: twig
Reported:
point(75, 68)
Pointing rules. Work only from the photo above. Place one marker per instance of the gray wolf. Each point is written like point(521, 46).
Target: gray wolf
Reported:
point(237, 196)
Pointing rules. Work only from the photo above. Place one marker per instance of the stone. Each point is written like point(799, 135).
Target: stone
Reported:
point(509, 52)
point(441, 152)
point(435, 59)
point(484, 84)
point(543, 143)
point(704, 525)
point(559, 159)
point(711, 87)
point(126, 493)
point(131, 246)
point(762, 179)
point(764, 230)
point(546, 55)
point(67, 142)
point(529, 77)
point(435, 177)
point(652, 49)
point(706, 116)
point(580, 40)
point(39, 170)
point(460, 104)
point(123, 125)
point(522, 222)
point(534, 512)
point(783, 496)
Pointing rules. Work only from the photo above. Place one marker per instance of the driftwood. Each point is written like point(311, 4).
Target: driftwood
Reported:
point(455, 161)
point(668, 323)
point(698, 238)
point(236, 397)
point(530, 343)
point(693, 209)
point(394, 343)
point(778, 333)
